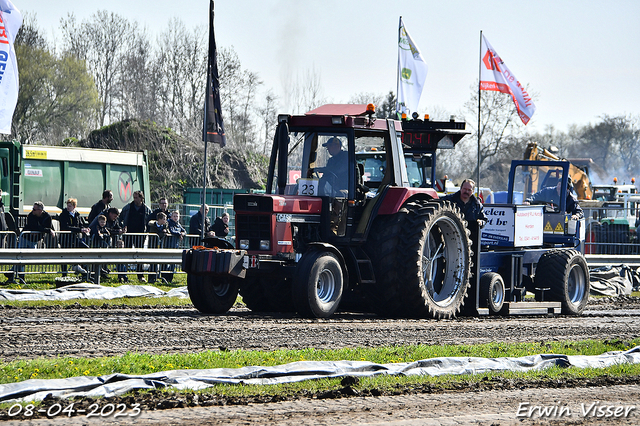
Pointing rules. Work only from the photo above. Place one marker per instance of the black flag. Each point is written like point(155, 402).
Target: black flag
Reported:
point(213, 129)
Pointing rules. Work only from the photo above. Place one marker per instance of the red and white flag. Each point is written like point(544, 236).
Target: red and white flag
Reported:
point(494, 75)
point(10, 21)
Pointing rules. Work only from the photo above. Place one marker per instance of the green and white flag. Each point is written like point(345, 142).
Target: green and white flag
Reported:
point(412, 72)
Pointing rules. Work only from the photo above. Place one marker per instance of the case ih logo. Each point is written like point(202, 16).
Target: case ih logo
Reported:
point(491, 62)
point(125, 187)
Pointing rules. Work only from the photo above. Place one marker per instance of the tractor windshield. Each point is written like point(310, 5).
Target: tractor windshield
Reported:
point(318, 164)
point(540, 185)
point(419, 169)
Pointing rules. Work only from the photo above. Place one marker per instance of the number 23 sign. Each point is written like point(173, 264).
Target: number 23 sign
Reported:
point(308, 187)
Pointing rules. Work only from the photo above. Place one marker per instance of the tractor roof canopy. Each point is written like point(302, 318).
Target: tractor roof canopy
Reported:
point(416, 134)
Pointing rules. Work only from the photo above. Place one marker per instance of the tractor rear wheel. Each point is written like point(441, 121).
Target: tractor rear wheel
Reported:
point(318, 284)
point(212, 294)
point(423, 268)
point(382, 248)
point(566, 274)
point(436, 249)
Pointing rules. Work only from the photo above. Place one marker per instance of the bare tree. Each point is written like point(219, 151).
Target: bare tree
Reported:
point(102, 42)
point(57, 98)
point(136, 83)
point(612, 143)
point(268, 113)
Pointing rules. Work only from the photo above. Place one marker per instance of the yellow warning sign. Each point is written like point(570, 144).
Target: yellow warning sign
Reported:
point(559, 228)
point(548, 228)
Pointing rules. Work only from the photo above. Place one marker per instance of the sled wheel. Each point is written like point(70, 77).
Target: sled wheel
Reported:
point(566, 274)
point(318, 284)
point(492, 291)
point(212, 294)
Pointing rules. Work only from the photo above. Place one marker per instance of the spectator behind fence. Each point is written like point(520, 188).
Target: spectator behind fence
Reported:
point(221, 226)
point(161, 229)
point(71, 221)
point(100, 235)
point(133, 219)
point(163, 206)
point(195, 224)
point(101, 205)
point(38, 222)
point(113, 225)
point(177, 233)
point(176, 230)
point(115, 232)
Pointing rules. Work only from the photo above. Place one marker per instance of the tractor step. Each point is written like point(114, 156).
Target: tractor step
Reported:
point(364, 266)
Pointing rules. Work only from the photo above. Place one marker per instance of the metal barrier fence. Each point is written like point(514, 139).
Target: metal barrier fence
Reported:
point(611, 229)
point(67, 252)
point(188, 210)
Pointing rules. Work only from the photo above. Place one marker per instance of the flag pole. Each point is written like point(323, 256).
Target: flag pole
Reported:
point(212, 126)
point(203, 210)
point(398, 115)
point(479, 103)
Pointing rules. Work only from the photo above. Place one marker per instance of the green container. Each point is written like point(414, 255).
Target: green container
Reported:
point(30, 173)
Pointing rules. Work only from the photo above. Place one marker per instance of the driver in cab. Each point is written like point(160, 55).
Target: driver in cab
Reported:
point(551, 195)
point(335, 171)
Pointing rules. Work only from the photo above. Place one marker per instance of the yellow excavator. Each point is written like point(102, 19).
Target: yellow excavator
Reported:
point(579, 177)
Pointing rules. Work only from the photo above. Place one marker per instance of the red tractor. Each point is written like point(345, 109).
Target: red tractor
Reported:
point(349, 220)
point(328, 231)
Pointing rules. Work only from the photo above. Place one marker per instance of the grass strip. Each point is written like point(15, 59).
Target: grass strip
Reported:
point(140, 363)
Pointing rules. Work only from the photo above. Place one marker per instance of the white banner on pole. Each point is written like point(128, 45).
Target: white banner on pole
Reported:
point(10, 22)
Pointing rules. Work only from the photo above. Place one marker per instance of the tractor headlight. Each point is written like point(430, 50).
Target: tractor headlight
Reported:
point(264, 245)
point(244, 244)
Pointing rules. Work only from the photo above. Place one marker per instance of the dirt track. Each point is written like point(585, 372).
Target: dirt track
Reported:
point(93, 332)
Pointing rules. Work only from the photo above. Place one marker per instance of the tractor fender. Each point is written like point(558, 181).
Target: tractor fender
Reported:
point(397, 196)
point(333, 249)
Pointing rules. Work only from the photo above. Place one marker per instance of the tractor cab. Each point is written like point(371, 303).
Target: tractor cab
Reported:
point(547, 184)
point(347, 158)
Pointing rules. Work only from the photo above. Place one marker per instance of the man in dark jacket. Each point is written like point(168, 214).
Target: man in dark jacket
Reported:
point(134, 215)
point(38, 226)
point(468, 204)
point(101, 205)
point(39, 222)
point(195, 224)
point(551, 195)
point(134, 221)
point(163, 206)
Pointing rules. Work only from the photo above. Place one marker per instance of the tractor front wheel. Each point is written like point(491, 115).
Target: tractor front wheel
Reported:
point(212, 294)
point(318, 284)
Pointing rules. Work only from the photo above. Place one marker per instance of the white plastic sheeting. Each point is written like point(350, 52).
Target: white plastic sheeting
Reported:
point(614, 280)
point(118, 384)
point(91, 291)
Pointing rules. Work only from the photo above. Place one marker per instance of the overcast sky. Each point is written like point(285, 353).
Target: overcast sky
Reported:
point(579, 59)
